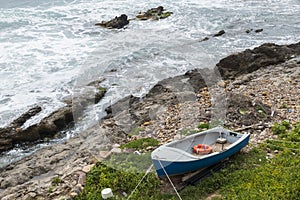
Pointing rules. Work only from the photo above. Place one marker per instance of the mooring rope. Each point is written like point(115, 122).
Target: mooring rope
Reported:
point(147, 172)
point(170, 180)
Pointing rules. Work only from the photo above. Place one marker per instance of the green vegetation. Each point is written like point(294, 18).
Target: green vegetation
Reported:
point(141, 144)
point(283, 106)
point(123, 182)
point(281, 128)
point(244, 111)
point(260, 109)
point(253, 175)
point(56, 181)
point(203, 126)
point(50, 189)
point(135, 131)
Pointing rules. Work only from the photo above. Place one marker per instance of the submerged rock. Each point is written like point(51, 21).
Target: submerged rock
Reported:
point(219, 33)
point(117, 22)
point(154, 14)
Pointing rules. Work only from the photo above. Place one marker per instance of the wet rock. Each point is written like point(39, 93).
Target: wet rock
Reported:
point(249, 30)
point(204, 39)
point(258, 30)
point(27, 115)
point(49, 126)
point(251, 60)
point(117, 22)
point(154, 14)
point(219, 33)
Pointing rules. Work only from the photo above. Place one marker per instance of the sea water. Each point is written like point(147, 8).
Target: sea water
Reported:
point(48, 49)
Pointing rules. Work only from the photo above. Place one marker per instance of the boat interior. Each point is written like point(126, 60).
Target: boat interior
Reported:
point(218, 140)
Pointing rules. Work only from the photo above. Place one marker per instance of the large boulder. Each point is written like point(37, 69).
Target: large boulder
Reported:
point(251, 60)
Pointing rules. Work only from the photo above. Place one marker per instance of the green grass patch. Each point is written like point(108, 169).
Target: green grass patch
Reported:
point(203, 126)
point(141, 144)
point(123, 182)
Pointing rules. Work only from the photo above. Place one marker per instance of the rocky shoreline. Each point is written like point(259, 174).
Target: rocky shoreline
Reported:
point(256, 88)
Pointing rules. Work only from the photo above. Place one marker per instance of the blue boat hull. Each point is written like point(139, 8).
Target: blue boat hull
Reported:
point(176, 168)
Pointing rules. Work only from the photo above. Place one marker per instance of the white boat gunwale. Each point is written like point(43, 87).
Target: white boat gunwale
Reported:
point(186, 156)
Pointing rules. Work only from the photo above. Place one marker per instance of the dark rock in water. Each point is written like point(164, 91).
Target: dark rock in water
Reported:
point(251, 60)
point(154, 14)
point(27, 115)
point(249, 30)
point(258, 30)
point(204, 39)
point(50, 125)
point(219, 33)
point(117, 22)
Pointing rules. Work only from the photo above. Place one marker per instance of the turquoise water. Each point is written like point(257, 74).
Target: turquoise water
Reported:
point(48, 49)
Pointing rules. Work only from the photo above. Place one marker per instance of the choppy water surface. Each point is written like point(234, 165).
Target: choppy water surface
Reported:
point(48, 47)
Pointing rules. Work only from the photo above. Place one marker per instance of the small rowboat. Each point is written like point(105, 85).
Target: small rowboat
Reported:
point(186, 155)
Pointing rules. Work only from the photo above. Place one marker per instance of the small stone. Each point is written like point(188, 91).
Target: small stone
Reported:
point(219, 33)
point(79, 187)
point(18, 130)
point(87, 168)
point(116, 146)
point(81, 178)
point(149, 148)
point(124, 194)
point(32, 194)
point(146, 123)
point(178, 137)
point(259, 30)
point(116, 150)
point(276, 151)
point(104, 154)
point(73, 194)
point(222, 84)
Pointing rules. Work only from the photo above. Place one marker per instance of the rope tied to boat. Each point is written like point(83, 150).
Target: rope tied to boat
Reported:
point(147, 172)
point(170, 180)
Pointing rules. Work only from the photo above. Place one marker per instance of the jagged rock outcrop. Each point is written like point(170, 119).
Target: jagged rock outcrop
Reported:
point(251, 60)
point(117, 22)
point(58, 120)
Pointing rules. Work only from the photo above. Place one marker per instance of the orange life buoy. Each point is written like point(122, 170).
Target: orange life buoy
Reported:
point(202, 149)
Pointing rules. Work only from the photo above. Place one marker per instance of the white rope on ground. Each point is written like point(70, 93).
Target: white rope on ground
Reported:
point(170, 180)
point(147, 172)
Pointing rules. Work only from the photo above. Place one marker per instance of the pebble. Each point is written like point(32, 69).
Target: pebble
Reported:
point(116, 146)
point(87, 168)
point(116, 150)
point(81, 178)
point(104, 154)
point(73, 194)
